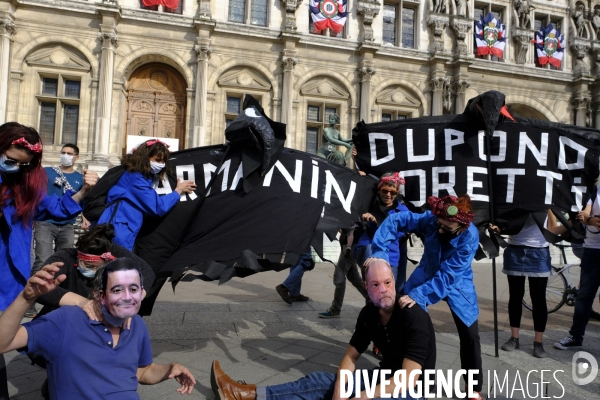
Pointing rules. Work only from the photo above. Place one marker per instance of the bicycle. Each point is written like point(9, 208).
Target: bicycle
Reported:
point(560, 289)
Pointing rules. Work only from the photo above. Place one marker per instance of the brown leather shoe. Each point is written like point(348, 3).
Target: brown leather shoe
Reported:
point(226, 388)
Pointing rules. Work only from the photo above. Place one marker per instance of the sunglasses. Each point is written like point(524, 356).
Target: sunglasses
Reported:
point(11, 162)
point(390, 192)
point(446, 228)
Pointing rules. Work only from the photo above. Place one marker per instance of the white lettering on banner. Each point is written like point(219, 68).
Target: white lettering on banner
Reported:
point(510, 184)
point(451, 142)
point(239, 175)
point(436, 186)
point(225, 169)
point(181, 171)
point(562, 157)
point(578, 192)
point(208, 171)
point(422, 185)
point(501, 149)
point(472, 183)
point(410, 150)
point(164, 187)
point(330, 183)
point(294, 182)
point(373, 136)
point(314, 183)
point(550, 176)
point(540, 155)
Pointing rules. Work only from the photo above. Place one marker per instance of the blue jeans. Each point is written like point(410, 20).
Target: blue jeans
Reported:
point(293, 283)
point(589, 283)
point(49, 238)
point(314, 386)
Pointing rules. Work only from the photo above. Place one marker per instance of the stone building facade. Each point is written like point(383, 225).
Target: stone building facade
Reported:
point(94, 72)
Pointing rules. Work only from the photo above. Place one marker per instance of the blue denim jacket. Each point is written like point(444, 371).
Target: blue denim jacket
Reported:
point(15, 246)
point(444, 272)
point(138, 199)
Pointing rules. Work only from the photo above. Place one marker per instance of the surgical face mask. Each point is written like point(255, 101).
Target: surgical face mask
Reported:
point(111, 319)
point(8, 167)
point(66, 160)
point(88, 273)
point(155, 167)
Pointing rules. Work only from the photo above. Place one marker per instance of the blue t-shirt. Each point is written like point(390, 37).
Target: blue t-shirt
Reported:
point(81, 361)
point(75, 179)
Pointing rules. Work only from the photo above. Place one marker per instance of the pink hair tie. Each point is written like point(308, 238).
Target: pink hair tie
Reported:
point(152, 142)
point(93, 257)
point(34, 148)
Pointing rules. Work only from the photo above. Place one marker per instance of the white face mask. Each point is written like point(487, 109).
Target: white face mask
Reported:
point(66, 160)
point(155, 167)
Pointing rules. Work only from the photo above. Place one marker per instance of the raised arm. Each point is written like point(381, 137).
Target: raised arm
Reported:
point(392, 227)
point(12, 335)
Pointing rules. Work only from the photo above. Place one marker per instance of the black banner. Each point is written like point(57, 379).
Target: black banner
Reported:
point(535, 165)
point(234, 233)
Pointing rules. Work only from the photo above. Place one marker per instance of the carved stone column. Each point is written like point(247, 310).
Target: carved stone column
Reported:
point(580, 48)
point(365, 72)
point(522, 38)
point(288, 62)
point(595, 106)
point(7, 29)
point(290, 15)
point(461, 27)
point(438, 86)
point(438, 23)
point(369, 9)
point(108, 40)
point(459, 87)
point(581, 106)
point(203, 51)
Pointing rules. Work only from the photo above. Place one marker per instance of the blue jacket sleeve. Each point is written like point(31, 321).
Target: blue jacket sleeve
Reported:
point(147, 200)
point(58, 208)
point(403, 221)
point(439, 286)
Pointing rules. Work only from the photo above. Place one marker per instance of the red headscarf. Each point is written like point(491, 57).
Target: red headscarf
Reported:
point(451, 208)
point(395, 180)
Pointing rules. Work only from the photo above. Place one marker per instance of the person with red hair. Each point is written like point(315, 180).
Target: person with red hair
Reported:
point(444, 273)
point(23, 198)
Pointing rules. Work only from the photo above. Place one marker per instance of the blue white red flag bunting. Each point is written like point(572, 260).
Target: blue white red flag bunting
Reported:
point(549, 45)
point(490, 36)
point(328, 14)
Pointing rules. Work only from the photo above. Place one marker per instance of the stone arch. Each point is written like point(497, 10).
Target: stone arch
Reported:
point(414, 89)
point(531, 103)
point(140, 57)
point(21, 54)
point(223, 68)
point(333, 75)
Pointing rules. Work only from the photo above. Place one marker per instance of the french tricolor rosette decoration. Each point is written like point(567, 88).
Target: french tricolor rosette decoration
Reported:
point(328, 14)
point(490, 36)
point(549, 45)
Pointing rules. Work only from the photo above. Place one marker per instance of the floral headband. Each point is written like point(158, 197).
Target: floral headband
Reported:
point(445, 208)
point(395, 180)
point(34, 148)
point(93, 257)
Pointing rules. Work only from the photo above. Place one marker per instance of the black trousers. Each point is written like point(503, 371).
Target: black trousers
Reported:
point(537, 291)
point(3, 379)
point(470, 349)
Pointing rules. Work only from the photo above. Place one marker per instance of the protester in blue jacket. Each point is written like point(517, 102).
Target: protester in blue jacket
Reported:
point(444, 272)
point(133, 197)
point(23, 198)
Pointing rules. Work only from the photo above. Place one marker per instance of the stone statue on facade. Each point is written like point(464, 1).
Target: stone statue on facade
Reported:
point(523, 8)
point(579, 20)
point(596, 22)
point(439, 6)
point(331, 139)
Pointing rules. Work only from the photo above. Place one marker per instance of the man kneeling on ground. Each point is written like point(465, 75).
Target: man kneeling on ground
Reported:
point(404, 336)
point(87, 359)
